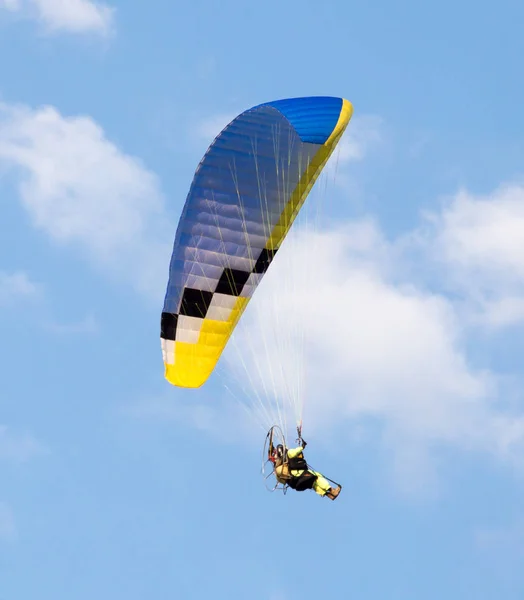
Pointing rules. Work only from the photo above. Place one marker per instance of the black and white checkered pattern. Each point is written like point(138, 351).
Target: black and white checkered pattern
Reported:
point(217, 305)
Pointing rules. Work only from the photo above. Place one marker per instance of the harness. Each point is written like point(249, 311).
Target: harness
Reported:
point(306, 479)
point(297, 463)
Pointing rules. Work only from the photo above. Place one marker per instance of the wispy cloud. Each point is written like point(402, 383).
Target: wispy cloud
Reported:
point(502, 312)
point(11, 5)
point(16, 286)
point(222, 419)
point(75, 16)
point(7, 523)
point(18, 447)
point(80, 189)
point(88, 325)
point(207, 129)
point(364, 132)
point(502, 547)
point(363, 135)
point(278, 595)
point(508, 539)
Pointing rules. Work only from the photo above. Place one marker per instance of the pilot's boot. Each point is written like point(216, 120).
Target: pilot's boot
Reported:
point(333, 492)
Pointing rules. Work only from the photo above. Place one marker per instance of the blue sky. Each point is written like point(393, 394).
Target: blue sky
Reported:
point(114, 484)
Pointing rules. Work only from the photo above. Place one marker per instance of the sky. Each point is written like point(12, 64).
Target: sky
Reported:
point(115, 484)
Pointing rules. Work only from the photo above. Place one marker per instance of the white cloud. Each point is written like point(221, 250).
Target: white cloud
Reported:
point(15, 286)
point(480, 241)
point(375, 349)
point(76, 16)
point(80, 189)
point(7, 522)
point(18, 447)
point(485, 234)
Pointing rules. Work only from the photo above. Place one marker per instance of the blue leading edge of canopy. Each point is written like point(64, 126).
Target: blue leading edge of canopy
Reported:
point(313, 118)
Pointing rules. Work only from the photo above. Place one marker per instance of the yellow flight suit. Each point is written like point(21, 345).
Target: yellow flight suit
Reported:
point(321, 485)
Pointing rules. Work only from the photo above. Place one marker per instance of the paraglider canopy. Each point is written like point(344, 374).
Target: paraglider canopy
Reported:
point(245, 195)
